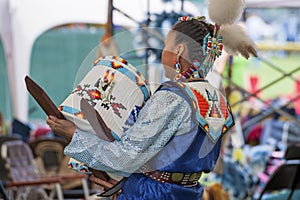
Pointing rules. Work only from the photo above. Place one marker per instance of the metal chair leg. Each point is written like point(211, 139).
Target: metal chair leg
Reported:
point(59, 192)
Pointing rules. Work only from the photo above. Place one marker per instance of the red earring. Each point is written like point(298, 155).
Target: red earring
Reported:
point(177, 65)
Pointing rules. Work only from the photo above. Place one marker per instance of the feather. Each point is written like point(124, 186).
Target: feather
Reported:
point(225, 11)
point(236, 40)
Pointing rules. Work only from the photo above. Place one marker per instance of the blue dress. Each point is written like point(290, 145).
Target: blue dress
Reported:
point(178, 130)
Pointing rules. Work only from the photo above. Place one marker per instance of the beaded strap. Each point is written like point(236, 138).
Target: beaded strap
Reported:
point(189, 18)
point(191, 72)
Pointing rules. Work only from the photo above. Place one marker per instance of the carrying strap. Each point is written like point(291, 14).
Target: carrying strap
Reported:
point(113, 190)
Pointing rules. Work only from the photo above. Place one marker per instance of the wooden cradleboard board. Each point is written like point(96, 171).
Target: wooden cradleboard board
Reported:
point(96, 121)
point(48, 106)
point(42, 98)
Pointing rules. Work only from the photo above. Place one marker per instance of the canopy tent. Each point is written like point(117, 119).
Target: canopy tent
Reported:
point(22, 22)
point(272, 3)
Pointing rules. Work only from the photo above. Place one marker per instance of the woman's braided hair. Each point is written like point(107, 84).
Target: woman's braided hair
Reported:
point(192, 33)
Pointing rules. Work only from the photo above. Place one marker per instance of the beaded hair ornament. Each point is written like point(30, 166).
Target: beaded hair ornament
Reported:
point(224, 14)
point(212, 45)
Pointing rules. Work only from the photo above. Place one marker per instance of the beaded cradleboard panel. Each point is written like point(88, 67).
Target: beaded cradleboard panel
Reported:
point(117, 91)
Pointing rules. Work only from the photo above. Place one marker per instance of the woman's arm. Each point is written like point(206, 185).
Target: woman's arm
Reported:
point(163, 116)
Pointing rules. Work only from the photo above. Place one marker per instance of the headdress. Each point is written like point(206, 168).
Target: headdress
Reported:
point(224, 14)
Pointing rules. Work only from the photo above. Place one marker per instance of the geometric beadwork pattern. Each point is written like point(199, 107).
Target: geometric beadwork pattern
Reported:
point(211, 109)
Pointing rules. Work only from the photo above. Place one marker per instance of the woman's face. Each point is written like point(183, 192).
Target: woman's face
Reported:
point(169, 55)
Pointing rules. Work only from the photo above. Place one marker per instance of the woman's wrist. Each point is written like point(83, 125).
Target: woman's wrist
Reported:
point(68, 134)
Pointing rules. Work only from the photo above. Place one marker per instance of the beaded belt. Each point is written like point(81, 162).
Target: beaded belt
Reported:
point(185, 179)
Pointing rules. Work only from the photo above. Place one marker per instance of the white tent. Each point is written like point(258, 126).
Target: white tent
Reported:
point(272, 3)
point(23, 21)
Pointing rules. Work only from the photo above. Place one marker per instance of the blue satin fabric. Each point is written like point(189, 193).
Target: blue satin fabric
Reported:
point(138, 186)
point(184, 153)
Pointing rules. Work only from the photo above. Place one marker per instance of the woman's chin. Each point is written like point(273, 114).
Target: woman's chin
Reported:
point(170, 74)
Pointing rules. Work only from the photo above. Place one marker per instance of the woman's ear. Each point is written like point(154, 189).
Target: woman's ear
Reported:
point(180, 49)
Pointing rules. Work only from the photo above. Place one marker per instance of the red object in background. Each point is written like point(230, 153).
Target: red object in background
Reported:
point(254, 134)
point(253, 83)
point(41, 131)
point(298, 86)
point(254, 87)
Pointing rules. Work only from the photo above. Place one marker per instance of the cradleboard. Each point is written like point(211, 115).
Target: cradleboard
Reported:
point(106, 102)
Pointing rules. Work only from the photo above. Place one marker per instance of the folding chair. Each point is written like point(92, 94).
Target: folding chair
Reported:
point(292, 152)
point(287, 176)
point(50, 152)
point(23, 178)
point(49, 155)
point(3, 174)
point(3, 194)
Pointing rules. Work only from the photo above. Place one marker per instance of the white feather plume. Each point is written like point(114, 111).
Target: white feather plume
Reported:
point(225, 11)
point(236, 40)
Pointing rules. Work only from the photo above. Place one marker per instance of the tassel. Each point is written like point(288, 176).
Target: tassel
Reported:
point(236, 40)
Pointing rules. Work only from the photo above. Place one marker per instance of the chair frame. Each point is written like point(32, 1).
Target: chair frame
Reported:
point(290, 167)
point(13, 185)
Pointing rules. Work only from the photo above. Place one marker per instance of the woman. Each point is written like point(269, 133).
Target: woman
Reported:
point(178, 132)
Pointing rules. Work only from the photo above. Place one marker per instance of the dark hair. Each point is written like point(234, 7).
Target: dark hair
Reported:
point(192, 33)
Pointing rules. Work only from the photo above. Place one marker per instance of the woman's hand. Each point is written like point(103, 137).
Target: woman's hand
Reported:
point(61, 127)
